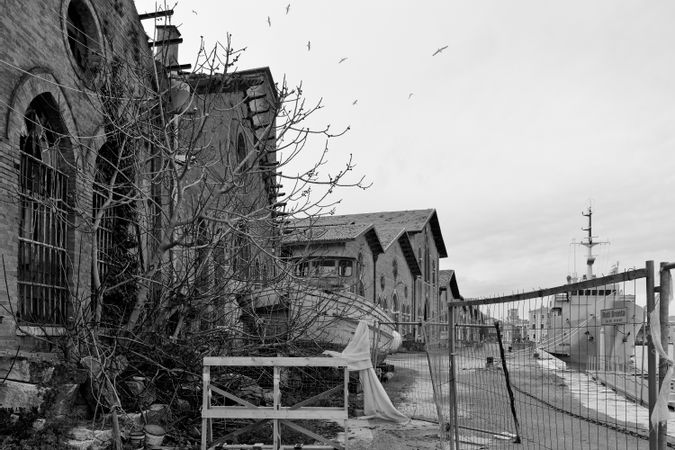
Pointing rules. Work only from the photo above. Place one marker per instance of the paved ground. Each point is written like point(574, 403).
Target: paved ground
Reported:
point(541, 425)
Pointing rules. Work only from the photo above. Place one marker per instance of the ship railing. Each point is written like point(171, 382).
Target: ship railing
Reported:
point(612, 364)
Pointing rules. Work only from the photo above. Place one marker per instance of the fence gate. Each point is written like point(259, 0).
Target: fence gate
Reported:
point(572, 366)
point(422, 368)
point(242, 395)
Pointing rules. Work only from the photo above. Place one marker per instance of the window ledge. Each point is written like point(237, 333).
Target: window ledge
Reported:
point(33, 330)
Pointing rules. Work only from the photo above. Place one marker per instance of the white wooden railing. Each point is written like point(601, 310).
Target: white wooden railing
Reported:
point(277, 413)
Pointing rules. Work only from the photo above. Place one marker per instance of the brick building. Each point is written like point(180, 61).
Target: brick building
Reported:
point(448, 292)
point(67, 69)
point(54, 53)
point(403, 278)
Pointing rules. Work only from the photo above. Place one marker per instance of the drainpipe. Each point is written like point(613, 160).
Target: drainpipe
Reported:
point(374, 278)
point(413, 313)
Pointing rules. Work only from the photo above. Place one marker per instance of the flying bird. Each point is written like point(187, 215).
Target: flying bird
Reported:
point(410, 96)
point(288, 7)
point(309, 45)
point(269, 21)
point(343, 60)
point(439, 50)
point(355, 102)
point(195, 12)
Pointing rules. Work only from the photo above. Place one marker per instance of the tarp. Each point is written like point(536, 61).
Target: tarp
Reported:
point(660, 412)
point(376, 402)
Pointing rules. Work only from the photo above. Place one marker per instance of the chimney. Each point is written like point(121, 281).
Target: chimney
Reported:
point(167, 55)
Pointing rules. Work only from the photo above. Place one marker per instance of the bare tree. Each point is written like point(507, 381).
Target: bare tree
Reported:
point(184, 211)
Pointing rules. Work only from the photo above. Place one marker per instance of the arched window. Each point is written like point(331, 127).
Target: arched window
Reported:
point(256, 271)
point(241, 151)
point(242, 164)
point(43, 218)
point(105, 180)
point(241, 254)
point(360, 271)
point(82, 34)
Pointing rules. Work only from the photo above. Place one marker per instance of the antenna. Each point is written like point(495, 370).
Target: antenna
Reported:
point(589, 243)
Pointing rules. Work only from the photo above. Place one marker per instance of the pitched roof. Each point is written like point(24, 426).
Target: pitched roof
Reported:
point(323, 233)
point(305, 231)
point(390, 224)
point(447, 279)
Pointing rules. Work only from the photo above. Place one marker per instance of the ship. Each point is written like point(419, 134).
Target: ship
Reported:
point(324, 309)
point(593, 327)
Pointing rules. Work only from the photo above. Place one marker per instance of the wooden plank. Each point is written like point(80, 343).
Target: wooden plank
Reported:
point(178, 67)
point(276, 437)
point(152, 15)
point(628, 275)
point(232, 397)
point(263, 361)
point(313, 435)
point(240, 412)
point(311, 400)
point(238, 432)
point(346, 394)
point(165, 42)
point(266, 446)
point(206, 380)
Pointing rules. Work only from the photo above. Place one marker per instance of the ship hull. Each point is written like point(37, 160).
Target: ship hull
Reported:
point(328, 318)
point(579, 336)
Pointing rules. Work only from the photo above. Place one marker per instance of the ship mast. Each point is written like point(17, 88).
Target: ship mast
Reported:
point(589, 243)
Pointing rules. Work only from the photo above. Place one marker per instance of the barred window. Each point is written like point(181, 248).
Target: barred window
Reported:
point(103, 204)
point(242, 152)
point(241, 253)
point(43, 227)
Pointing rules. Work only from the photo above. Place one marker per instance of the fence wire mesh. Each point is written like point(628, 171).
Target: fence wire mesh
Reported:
point(415, 398)
point(419, 385)
point(575, 363)
point(254, 387)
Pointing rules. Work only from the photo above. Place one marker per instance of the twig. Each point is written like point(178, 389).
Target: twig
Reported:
point(12, 365)
point(116, 429)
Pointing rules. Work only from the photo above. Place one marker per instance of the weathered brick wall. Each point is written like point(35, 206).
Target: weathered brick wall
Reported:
point(400, 283)
point(418, 241)
point(231, 191)
point(35, 58)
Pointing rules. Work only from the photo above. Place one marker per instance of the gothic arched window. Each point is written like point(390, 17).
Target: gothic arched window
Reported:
point(42, 273)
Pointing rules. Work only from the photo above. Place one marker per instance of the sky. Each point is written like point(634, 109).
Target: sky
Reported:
point(533, 111)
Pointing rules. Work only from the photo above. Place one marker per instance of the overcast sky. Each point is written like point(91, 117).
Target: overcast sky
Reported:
point(534, 109)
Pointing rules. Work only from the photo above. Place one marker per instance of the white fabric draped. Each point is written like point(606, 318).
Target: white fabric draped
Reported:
point(376, 402)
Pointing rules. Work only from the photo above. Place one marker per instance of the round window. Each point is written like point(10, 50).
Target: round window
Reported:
point(83, 36)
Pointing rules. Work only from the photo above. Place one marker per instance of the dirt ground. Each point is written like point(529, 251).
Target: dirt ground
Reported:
point(541, 426)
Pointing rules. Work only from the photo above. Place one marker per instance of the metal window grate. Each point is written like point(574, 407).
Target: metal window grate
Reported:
point(104, 232)
point(43, 230)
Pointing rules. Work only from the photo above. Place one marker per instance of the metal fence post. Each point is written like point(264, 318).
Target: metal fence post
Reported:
point(454, 420)
point(651, 355)
point(507, 379)
point(664, 294)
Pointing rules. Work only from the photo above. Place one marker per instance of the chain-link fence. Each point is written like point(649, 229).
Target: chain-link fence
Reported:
point(559, 368)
